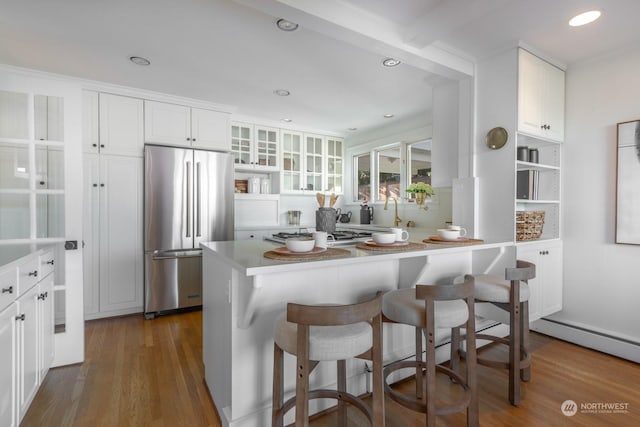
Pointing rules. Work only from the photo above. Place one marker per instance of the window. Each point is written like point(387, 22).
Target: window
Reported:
point(391, 176)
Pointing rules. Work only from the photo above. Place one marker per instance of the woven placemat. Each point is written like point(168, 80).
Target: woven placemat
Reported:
point(329, 253)
point(436, 240)
point(412, 246)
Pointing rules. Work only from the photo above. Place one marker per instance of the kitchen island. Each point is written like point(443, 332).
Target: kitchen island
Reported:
point(243, 292)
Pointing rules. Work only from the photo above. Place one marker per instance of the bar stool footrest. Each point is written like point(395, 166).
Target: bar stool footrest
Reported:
point(408, 402)
point(525, 357)
point(330, 394)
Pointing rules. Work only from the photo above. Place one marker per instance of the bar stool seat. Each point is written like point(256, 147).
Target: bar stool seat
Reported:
point(315, 333)
point(401, 306)
point(325, 342)
point(494, 289)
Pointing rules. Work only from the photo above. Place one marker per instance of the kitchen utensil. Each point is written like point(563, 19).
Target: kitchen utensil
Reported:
point(294, 217)
point(345, 217)
point(384, 238)
point(401, 235)
point(496, 138)
point(338, 213)
point(300, 244)
point(332, 200)
point(320, 199)
point(366, 214)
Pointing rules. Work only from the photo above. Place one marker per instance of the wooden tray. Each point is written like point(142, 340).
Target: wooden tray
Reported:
point(409, 246)
point(459, 241)
point(308, 256)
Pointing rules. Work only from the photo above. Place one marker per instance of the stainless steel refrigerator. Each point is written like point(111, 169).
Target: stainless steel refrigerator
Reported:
point(188, 199)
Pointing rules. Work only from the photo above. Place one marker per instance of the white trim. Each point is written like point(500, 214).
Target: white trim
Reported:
point(615, 346)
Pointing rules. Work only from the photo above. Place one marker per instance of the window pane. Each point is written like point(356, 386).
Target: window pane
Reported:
point(14, 166)
point(14, 216)
point(362, 166)
point(389, 174)
point(50, 215)
point(14, 113)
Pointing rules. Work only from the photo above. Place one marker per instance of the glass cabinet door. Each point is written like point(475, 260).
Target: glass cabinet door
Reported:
point(291, 161)
point(267, 147)
point(313, 163)
point(334, 165)
point(241, 143)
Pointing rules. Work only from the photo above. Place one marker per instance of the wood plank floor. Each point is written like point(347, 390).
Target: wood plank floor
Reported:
point(150, 373)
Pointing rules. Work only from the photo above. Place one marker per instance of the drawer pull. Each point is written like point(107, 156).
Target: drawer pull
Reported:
point(33, 273)
point(50, 262)
point(7, 290)
point(21, 317)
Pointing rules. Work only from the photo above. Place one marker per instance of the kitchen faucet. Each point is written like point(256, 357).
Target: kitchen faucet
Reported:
point(396, 219)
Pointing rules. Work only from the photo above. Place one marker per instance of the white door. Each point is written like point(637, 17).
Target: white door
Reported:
point(8, 366)
point(91, 234)
point(121, 268)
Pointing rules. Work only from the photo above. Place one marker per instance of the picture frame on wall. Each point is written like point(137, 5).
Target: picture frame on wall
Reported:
point(628, 183)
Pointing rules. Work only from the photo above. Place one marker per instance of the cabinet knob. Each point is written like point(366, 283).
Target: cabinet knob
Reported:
point(41, 297)
point(33, 273)
point(188, 139)
point(101, 184)
point(193, 139)
point(8, 290)
point(101, 145)
point(95, 185)
point(50, 262)
point(21, 317)
point(94, 145)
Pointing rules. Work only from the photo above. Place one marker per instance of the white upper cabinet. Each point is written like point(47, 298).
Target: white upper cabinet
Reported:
point(121, 129)
point(185, 126)
point(255, 147)
point(540, 98)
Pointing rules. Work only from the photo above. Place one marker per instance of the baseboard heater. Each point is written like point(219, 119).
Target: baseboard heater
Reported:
point(585, 337)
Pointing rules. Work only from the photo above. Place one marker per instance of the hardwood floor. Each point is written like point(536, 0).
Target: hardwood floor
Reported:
point(143, 373)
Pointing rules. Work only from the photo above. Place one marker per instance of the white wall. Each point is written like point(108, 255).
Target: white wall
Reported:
point(601, 278)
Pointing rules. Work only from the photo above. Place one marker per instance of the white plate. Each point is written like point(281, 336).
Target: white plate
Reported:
point(284, 251)
point(372, 243)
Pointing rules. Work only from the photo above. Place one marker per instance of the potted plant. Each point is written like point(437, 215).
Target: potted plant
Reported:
point(421, 190)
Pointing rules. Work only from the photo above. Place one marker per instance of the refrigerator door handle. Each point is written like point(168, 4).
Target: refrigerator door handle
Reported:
point(189, 192)
point(198, 201)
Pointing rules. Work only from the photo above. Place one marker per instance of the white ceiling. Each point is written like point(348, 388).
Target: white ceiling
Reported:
point(229, 51)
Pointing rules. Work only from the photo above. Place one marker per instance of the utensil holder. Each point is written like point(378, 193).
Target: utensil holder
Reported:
point(326, 220)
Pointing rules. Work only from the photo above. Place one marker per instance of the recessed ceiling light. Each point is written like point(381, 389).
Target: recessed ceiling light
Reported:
point(585, 18)
point(281, 92)
point(352, 129)
point(286, 120)
point(285, 25)
point(391, 62)
point(138, 60)
point(388, 116)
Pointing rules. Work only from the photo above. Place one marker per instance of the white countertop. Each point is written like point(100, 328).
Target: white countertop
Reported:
point(247, 255)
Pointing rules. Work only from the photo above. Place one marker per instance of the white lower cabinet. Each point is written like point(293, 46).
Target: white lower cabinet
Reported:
point(27, 338)
point(46, 324)
point(8, 367)
point(546, 288)
point(113, 267)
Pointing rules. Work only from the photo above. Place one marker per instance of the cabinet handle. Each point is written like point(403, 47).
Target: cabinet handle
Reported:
point(102, 184)
point(46, 294)
point(7, 290)
point(33, 273)
point(50, 262)
point(21, 317)
point(41, 297)
point(94, 145)
point(95, 185)
point(101, 145)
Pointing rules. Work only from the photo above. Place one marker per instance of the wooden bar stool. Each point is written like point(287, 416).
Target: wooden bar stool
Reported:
point(323, 333)
point(427, 308)
point(512, 295)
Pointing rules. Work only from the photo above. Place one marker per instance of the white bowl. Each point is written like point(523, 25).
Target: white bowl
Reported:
point(300, 245)
point(384, 238)
point(448, 234)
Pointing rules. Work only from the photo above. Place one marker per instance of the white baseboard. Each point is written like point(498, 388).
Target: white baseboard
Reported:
point(590, 339)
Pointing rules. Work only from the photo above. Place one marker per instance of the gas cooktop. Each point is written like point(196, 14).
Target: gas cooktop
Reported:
point(342, 237)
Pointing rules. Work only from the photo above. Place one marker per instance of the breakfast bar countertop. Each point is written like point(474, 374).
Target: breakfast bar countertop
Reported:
point(247, 256)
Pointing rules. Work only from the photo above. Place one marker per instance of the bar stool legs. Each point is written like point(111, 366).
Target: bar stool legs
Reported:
point(428, 308)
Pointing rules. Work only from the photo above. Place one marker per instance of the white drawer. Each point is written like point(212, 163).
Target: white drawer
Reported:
point(46, 264)
point(9, 287)
point(28, 274)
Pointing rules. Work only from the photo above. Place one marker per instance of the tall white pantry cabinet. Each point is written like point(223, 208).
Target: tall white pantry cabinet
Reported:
point(524, 94)
point(113, 144)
